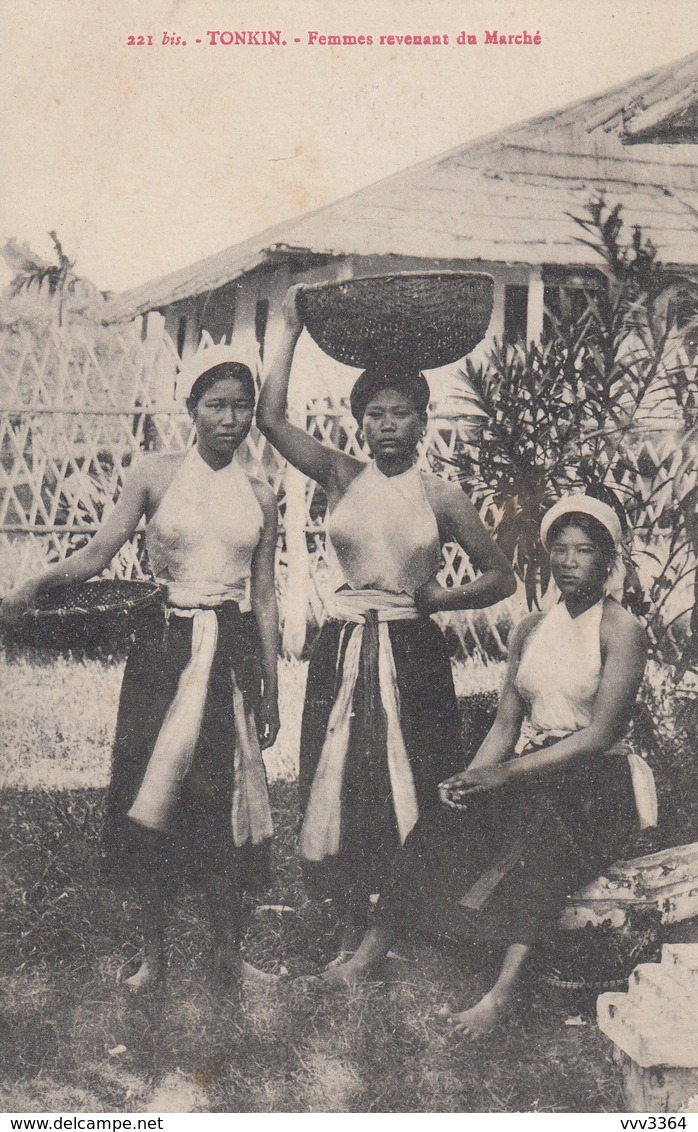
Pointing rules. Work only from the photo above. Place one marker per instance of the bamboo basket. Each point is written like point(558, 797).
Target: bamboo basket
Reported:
point(420, 319)
point(599, 958)
point(101, 613)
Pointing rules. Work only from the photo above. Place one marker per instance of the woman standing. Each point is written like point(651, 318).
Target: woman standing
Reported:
point(188, 790)
point(380, 724)
point(552, 795)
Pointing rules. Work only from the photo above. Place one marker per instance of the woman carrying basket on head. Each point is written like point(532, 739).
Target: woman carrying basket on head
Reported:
point(380, 724)
point(188, 791)
point(554, 792)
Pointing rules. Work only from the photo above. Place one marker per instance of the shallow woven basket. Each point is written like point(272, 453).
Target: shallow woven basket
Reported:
point(599, 958)
point(424, 319)
point(97, 612)
point(593, 986)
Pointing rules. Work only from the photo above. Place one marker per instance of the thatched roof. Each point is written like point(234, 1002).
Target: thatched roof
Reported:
point(503, 198)
point(662, 107)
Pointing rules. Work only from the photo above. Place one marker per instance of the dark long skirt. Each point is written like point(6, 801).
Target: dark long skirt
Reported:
point(199, 842)
point(430, 728)
point(501, 869)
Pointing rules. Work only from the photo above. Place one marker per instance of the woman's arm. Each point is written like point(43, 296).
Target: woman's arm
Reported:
point(500, 740)
point(459, 522)
point(327, 466)
point(119, 525)
point(264, 607)
point(503, 735)
point(625, 653)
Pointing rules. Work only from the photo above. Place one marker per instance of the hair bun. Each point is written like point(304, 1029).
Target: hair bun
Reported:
point(389, 375)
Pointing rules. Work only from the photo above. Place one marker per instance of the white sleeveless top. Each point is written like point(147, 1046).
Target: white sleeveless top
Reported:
point(384, 534)
point(560, 670)
point(559, 676)
point(203, 535)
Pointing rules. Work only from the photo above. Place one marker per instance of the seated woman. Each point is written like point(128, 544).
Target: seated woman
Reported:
point(188, 791)
point(552, 795)
point(380, 724)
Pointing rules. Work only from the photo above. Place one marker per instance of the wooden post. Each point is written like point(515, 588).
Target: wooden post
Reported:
point(243, 337)
point(294, 609)
point(296, 605)
point(496, 326)
point(159, 361)
point(535, 307)
point(297, 596)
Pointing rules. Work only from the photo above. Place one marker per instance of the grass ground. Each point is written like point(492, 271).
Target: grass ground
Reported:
point(72, 1040)
point(59, 714)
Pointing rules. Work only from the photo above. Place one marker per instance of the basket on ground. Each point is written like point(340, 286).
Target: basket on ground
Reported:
point(599, 957)
point(422, 319)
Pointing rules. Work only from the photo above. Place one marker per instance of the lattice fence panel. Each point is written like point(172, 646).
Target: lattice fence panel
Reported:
point(80, 403)
point(77, 406)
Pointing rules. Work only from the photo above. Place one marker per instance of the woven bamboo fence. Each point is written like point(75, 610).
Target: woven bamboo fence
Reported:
point(79, 403)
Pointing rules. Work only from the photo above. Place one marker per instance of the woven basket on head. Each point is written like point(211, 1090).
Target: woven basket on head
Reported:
point(97, 612)
point(424, 319)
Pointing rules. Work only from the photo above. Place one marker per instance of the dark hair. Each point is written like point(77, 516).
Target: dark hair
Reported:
point(390, 376)
point(224, 370)
point(592, 528)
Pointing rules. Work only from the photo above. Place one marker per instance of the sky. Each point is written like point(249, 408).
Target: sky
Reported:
point(148, 158)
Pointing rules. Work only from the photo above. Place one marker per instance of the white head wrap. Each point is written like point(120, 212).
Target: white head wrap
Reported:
point(603, 514)
point(206, 357)
point(585, 505)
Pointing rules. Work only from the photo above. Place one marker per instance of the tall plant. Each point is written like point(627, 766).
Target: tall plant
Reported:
point(31, 271)
point(575, 412)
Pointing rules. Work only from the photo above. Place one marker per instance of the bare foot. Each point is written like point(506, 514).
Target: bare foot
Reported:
point(480, 1019)
point(333, 979)
point(339, 960)
point(231, 971)
point(250, 974)
point(345, 976)
point(339, 977)
point(149, 976)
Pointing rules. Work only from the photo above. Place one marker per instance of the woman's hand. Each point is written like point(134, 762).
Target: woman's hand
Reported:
point(430, 597)
point(292, 317)
point(267, 716)
point(18, 602)
point(488, 776)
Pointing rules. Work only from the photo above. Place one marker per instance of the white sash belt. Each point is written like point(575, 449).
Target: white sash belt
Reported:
point(320, 833)
point(174, 749)
point(644, 789)
point(642, 778)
